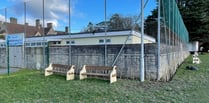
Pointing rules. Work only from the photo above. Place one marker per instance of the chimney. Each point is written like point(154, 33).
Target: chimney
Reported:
point(13, 20)
point(38, 22)
point(49, 25)
point(66, 29)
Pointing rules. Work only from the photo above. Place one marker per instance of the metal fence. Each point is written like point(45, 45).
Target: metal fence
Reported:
point(42, 18)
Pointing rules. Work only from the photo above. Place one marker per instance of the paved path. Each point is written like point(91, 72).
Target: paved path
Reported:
point(4, 70)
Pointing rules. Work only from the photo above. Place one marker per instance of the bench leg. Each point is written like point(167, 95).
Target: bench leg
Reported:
point(48, 73)
point(71, 73)
point(82, 76)
point(70, 76)
point(81, 73)
point(113, 75)
point(113, 78)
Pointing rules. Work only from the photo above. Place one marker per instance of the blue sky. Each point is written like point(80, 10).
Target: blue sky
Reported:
point(82, 11)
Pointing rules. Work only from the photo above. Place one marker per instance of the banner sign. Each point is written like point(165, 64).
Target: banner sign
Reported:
point(15, 39)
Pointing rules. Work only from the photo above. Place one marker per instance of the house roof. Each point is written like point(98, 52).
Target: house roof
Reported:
point(90, 35)
point(20, 28)
point(31, 31)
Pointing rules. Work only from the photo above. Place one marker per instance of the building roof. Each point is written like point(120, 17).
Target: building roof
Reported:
point(90, 35)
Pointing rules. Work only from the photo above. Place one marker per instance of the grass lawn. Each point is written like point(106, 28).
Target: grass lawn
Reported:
point(31, 86)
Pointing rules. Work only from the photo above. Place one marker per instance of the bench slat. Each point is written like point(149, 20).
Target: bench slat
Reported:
point(96, 74)
point(98, 68)
point(55, 71)
point(61, 66)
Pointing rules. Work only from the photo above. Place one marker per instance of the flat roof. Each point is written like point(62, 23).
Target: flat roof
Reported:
point(90, 35)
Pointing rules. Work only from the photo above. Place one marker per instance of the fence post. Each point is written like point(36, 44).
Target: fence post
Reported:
point(142, 42)
point(158, 42)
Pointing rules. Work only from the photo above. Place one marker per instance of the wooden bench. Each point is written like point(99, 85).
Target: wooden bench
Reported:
point(109, 73)
point(67, 70)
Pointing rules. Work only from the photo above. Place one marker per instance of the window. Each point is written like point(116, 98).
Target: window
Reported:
point(2, 45)
point(72, 42)
point(57, 42)
point(44, 43)
point(39, 44)
point(27, 44)
point(101, 40)
point(108, 40)
point(54, 42)
point(67, 42)
point(33, 44)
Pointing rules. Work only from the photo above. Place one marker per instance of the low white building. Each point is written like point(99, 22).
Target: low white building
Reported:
point(115, 37)
point(193, 46)
point(112, 38)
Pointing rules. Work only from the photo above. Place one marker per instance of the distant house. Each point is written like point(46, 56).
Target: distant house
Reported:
point(30, 31)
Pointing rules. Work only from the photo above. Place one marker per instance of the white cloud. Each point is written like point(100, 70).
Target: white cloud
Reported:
point(55, 11)
point(2, 18)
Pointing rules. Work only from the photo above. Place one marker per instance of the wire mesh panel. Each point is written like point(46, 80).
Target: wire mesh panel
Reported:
point(170, 11)
point(174, 37)
point(3, 60)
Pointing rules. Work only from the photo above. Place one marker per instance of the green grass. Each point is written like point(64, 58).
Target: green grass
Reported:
point(31, 86)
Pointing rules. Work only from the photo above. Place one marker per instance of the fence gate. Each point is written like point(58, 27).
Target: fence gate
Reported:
point(15, 56)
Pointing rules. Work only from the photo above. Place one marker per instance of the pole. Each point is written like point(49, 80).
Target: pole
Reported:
point(169, 32)
point(8, 63)
point(173, 30)
point(7, 46)
point(44, 49)
point(47, 53)
point(69, 30)
point(25, 30)
point(158, 42)
point(5, 16)
point(105, 56)
point(142, 41)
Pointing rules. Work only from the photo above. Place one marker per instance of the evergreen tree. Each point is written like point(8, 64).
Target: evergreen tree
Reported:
point(150, 24)
point(116, 22)
point(196, 18)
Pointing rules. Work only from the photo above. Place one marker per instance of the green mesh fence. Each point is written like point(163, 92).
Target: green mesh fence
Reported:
point(173, 20)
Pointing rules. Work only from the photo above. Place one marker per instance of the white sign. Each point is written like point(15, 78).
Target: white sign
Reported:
point(15, 39)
